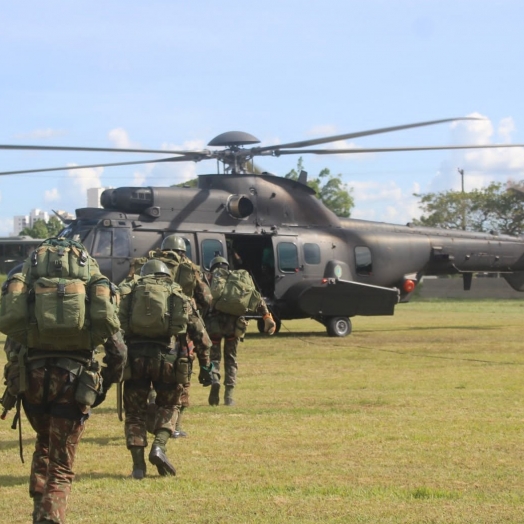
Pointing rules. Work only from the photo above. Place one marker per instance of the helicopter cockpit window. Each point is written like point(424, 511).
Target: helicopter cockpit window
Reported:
point(311, 254)
point(120, 242)
point(363, 260)
point(210, 249)
point(102, 246)
point(287, 257)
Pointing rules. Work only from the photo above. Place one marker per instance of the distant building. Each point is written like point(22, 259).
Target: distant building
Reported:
point(22, 221)
point(93, 196)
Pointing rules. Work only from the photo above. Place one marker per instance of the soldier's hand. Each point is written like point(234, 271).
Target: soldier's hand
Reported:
point(269, 324)
point(204, 377)
point(102, 394)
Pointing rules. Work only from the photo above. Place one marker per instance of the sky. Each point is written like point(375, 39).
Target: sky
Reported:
point(174, 74)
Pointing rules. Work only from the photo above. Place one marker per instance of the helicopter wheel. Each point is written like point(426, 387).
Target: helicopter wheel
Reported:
point(260, 325)
point(338, 326)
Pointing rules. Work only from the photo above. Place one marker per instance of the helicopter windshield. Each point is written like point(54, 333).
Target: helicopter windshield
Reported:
point(78, 229)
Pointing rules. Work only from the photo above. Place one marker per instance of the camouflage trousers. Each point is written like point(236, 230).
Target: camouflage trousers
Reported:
point(58, 421)
point(221, 326)
point(156, 372)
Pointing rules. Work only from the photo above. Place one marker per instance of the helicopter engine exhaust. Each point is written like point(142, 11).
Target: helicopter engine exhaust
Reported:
point(239, 206)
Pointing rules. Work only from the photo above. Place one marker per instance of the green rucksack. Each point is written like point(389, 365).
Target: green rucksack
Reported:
point(153, 307)
point(14, 308)
point(234, 292)
point(60, 301)
point(182, 270)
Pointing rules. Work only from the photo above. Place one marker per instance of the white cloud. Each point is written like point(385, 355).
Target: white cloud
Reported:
point(6, 226)
point(120, 138)
point(85, 178)
point(40, 134)
point(51, 195)
point(384, 202)
point(481, 166)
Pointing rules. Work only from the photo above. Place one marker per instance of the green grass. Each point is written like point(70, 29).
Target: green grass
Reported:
point(416, 418)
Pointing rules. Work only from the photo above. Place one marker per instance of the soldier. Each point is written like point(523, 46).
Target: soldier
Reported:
point(173, 253)
point(49, 383)
point(231, 328)
point(163, 364)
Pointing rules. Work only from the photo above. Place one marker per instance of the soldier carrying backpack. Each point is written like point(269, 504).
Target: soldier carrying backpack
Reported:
point(234, 295)
point(160, 327)
point(56, 311)
point(189, 276)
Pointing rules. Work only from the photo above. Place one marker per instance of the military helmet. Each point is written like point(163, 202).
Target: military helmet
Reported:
point(173, 243)
point(16, 269)
point(156, 267)
point(218, 262)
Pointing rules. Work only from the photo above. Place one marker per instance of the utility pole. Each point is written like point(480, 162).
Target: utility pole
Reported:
point(461, 172)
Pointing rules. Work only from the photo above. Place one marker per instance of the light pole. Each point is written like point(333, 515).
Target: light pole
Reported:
point(461, 172)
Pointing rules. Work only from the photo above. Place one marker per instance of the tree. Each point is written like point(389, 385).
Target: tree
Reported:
point(492, 208)
point(42, 229)
point(329, 189)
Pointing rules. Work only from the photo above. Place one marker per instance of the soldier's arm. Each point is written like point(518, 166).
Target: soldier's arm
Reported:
point(197, 332)
point(202, 294)
point(115, 358)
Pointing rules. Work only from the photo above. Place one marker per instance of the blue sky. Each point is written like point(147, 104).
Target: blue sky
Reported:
point(174, 74)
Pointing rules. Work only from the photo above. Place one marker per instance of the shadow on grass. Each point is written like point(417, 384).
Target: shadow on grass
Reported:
point(431, 328)
point(10, 481)
point(286, 334)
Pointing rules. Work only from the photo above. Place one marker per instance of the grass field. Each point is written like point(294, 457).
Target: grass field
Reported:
point(416, 418)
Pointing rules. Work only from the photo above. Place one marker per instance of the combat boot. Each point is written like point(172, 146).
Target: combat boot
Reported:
point(157, 455)
point(228, 396)
point(214, 398)
point(179, 432)
point(139, 462)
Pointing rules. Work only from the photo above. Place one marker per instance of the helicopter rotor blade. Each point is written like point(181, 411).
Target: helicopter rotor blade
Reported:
point(358, 134)
point(388, 149)
point(171, 159)
point(101, 149)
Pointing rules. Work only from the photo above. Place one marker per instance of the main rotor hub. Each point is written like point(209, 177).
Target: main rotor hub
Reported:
point(234, 139)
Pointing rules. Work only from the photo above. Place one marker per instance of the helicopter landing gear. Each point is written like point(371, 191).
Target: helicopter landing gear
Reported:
point(260, 325)
point(338, 326)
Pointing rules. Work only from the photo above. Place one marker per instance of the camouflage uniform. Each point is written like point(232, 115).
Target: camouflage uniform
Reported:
point(202, 299)
point(57, 418)
point(232, 329)
point(153, 365)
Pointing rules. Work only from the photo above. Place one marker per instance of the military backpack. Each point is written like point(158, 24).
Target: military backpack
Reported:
point(234, 292)
point(153, 307)
point(59, 301)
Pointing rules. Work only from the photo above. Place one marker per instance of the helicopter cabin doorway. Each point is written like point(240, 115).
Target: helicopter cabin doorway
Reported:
point(255, 254)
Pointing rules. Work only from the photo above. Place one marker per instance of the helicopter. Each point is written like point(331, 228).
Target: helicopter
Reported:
point(306, 261)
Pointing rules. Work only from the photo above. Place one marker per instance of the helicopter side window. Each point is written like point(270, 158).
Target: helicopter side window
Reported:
point(363, 261)
point(287, 257)
point(210, 249)
point(188, 249)
point(102, 247)
point(120, 243)
point(311, 254)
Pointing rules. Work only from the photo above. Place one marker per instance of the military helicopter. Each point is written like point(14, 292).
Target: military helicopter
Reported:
point(306, 261)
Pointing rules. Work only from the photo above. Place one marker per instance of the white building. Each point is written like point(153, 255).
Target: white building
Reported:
point(93, 196)
point(22, 221)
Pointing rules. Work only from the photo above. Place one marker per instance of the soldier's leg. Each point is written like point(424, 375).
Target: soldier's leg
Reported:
point(179, 413)
point(40, 423)
point(216, 357)
point(168, 397)
point(50, 391)
point(136, 393)
point(230, 368)
point(64, 437)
